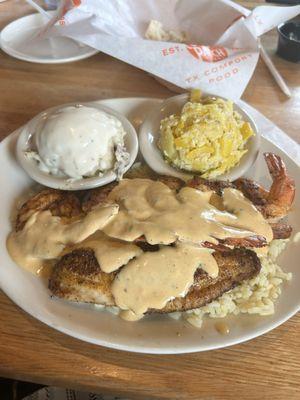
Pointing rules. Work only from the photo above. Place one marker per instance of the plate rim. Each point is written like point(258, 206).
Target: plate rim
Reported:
point(13, 53)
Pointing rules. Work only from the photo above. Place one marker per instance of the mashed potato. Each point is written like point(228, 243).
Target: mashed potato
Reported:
point(207, 137)
point(79, 142)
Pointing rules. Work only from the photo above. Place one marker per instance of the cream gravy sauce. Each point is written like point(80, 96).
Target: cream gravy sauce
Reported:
point(222, 328)
point(153, 279)
point(111, 253)
point(151, 209)
point(44, 236)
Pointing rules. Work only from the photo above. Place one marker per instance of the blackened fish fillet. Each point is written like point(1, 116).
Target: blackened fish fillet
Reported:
point(78, 277)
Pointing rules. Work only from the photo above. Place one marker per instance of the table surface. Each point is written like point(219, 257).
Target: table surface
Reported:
point(267, 367)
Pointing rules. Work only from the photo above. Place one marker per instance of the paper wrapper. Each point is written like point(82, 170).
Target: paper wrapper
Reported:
point(224, 47)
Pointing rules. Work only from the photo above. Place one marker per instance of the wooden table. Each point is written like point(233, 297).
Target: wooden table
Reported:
point(267, 367)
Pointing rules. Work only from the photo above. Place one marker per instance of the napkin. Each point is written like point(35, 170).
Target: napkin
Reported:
point(223, 38)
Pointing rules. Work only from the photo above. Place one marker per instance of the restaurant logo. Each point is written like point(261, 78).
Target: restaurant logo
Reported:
point(207, 53)
point(66, 8)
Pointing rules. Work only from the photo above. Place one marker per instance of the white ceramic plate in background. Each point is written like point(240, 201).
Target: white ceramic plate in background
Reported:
point(31, 167)
point(154, 334)
point(16, 40)
point(149, 135)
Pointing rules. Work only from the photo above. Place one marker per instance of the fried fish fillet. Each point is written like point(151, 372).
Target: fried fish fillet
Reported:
point(78, 277)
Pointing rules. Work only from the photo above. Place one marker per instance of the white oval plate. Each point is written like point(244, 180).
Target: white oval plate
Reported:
point(154, 334)
point(15, 40)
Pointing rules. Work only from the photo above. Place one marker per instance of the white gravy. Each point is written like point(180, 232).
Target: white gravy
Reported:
point(111, 253)
point(44, 236)
point(153, 279)
point(151, 209)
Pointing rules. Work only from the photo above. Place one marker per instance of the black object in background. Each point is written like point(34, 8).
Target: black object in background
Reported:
point(16, 390)
point(285, 2)
point(289, 41)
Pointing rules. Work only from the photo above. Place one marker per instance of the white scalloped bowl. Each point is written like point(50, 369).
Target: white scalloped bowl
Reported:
point(149, 134)
point(65, 183)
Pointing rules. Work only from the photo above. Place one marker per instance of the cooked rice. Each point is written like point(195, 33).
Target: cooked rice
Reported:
point(255, 296)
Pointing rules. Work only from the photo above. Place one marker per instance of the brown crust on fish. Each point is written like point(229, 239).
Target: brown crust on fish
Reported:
point(205, 185)
point(173, 183)
point(97, 196)
point(60, 203)
point(235, 266)
point(78, 277)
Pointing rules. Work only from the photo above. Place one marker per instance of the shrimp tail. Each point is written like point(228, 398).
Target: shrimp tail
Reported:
point(275, 165)
point(225, 244)
point(282, 192)
point(251, 241)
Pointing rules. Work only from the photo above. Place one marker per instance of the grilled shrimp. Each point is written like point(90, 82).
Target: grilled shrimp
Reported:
point(225, 244)
point(275, 203)
point(282, 191)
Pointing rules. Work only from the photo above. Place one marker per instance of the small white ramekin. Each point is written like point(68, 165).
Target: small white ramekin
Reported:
point(64, 183)
point(149, 134)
